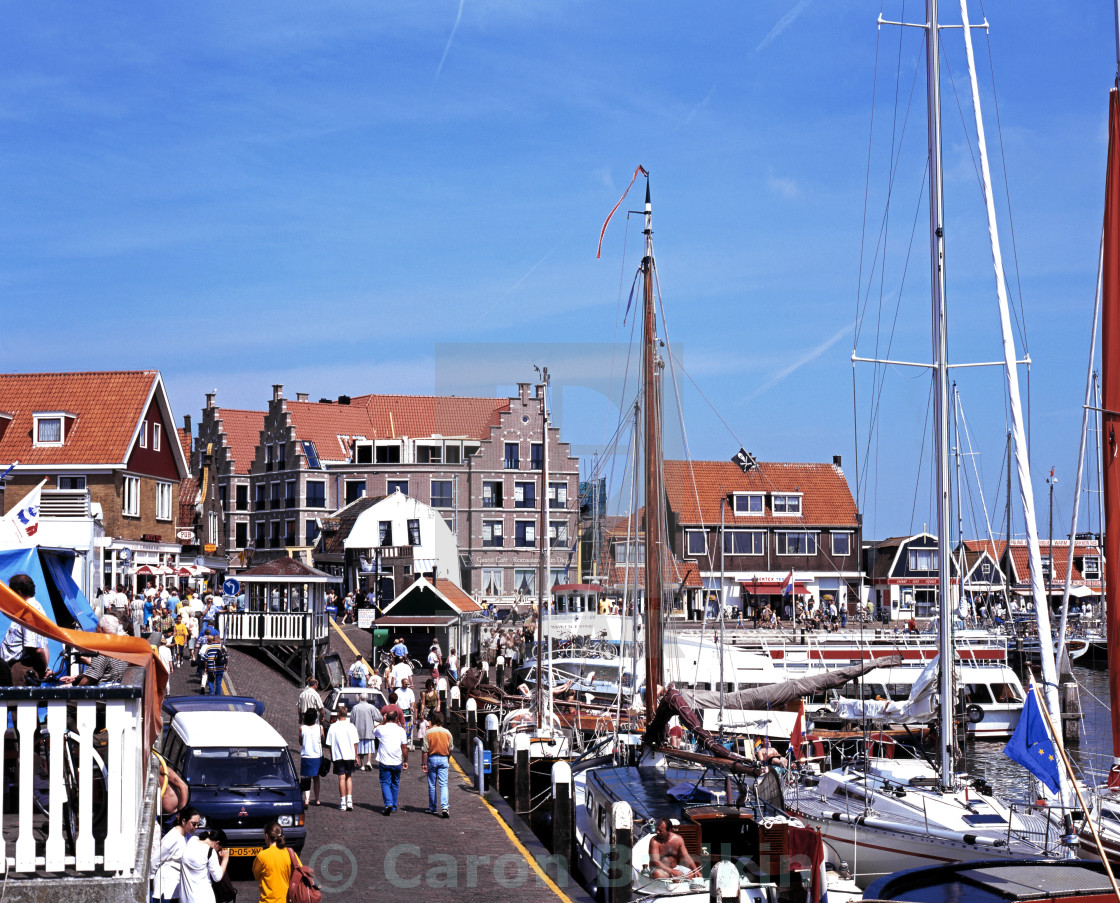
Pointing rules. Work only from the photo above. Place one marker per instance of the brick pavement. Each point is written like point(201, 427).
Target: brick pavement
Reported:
point(364, 855)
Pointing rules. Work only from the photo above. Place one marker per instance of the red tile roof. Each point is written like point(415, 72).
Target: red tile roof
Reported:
point(695, 488)
point(1020, 556)
point(188, 494)
point(456, 596)
point(330, 426)
point(109, 406)
point(243, 435)
point(286, 567)
point(185, 442)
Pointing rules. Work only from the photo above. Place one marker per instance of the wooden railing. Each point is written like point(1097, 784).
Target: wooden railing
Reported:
point(74, 777)
point(272, 626)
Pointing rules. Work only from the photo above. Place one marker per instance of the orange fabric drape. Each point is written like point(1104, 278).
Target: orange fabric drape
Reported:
point(134, 650)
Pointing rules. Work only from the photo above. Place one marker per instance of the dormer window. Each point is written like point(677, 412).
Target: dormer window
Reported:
point(50, 427)
point(747, 503)
point(786, 503)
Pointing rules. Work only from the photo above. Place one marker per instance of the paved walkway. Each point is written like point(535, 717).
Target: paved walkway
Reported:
point(364, 855)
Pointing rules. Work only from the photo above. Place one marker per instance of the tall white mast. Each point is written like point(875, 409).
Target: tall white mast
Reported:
point(1022, 465)
point(941, 388)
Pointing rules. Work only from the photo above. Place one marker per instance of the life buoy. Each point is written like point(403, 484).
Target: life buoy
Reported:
point(974, 713)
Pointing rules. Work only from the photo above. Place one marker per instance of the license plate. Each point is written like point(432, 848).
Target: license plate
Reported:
point(244, 851)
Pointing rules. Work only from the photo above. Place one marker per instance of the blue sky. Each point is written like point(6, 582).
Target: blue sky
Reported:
point(347, 198)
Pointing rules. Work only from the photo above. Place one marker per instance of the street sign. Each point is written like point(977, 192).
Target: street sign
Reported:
point(231, 587)
point(366, 617)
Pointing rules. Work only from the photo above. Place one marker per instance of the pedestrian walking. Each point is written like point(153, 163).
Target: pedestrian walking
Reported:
point(205, 860)
point(181, 634)
point(406, 699)
point(310, 755)
point(366, 718)
point(273, 866)
point(358, 673)
point(342, 739)
point(217, 659)
point(435, 762)
point(167, 865)
point(309, 699)
point(392, 759)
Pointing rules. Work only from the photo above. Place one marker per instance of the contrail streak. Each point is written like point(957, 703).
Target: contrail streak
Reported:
point(450, 38)
point(806, 358)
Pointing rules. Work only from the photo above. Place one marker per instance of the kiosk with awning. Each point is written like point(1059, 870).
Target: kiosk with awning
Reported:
point(429, 611)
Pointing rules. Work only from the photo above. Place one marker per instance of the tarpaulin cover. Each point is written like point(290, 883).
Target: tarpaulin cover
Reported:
point(61, 565)
point(26, 561)
point(133, 650)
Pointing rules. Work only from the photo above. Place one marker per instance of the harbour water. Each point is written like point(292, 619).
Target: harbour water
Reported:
point(1092, 754)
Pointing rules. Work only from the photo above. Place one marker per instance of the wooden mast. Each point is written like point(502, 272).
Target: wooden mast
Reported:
point(652, 472)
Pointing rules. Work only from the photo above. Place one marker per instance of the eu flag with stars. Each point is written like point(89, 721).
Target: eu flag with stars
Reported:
point(1032, 746)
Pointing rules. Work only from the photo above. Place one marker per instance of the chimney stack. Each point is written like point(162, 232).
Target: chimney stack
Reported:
point(301, 396)
point(210, 399)
point(277, 391)
point(187, 423)
point(836, 460)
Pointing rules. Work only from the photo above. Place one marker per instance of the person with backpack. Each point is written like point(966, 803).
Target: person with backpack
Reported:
point(217, 659)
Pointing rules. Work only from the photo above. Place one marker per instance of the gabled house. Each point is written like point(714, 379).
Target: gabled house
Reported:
point(1084, 565)
point(228, 439)
point(902, 576)
point(477, 461)
point(107, 446)
point(776, 518)
point(381, 545)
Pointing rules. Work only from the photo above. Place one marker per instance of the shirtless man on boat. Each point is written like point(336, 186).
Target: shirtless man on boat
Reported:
point(668, 857)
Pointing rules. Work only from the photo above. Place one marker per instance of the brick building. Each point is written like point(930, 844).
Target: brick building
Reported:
point(476, 460)
point(106, 442)
point(777, 518)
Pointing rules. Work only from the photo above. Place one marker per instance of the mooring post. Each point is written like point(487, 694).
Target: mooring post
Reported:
point(454, 720)
point(491, 725)
point(620, 853)
point(472, 725)
point(441, 686)
point(522, 800)
point(562, 811)
point(500, 670)
point(1071, 712)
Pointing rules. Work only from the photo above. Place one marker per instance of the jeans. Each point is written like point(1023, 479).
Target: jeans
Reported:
point(390, 783)
point(214, 682)
point(437, 774)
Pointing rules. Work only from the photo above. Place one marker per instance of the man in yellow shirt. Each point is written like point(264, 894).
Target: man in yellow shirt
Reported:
point(181, 634)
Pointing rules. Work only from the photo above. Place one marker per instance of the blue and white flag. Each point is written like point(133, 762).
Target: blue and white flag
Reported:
point(1032, 745)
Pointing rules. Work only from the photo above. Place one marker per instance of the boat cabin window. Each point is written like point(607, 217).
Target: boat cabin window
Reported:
point(1006, 693)
point(979, 693)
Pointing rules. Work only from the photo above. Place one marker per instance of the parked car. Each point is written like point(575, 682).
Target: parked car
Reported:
point(240, 772)
point(350, 696)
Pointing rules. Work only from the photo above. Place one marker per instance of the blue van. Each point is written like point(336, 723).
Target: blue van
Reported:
point(240, 773)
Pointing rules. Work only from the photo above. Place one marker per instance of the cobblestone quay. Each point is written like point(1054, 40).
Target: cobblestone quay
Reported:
point(364, 855)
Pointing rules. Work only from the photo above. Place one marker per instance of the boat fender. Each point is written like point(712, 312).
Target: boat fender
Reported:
point(974, 713)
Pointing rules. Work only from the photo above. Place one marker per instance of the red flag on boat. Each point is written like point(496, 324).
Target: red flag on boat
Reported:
point(795, 737)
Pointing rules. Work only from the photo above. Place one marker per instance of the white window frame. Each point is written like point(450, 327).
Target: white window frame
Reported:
point(73, 478)
point(786, 498)
point(748, 497)
point(688, 536)
point(492, 529)
point(212, 528)
point(558, 495)
point(759, 534)
point(130, 497)
point(912, 559)
point(48, 416)
point(1091, 567)
point(143, 433)
point(163, 500)
point(157, 432)
point(781, 539)
point(847, 536)
point(555, 528)
point(530, 532)
point(528, 575)
point(492, 576)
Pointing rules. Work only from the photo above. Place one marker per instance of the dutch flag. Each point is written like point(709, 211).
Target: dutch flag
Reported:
point(787, 587)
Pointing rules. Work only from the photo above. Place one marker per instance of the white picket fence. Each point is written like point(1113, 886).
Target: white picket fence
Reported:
point(273, 627)
point(77, 791)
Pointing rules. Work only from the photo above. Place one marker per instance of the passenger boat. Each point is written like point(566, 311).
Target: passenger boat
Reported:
point(999, 881)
